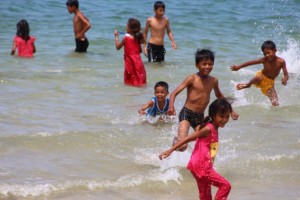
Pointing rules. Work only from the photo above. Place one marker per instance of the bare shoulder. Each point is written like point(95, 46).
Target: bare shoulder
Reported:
point(280, 61)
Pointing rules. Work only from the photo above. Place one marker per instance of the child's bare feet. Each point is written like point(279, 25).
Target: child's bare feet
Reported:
point(241, 86)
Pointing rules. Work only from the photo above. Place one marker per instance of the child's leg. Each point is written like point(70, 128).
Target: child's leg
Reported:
point(272, 94)
point(183, 129)
point(255, 80)
point(221, 183)
point(204, 188)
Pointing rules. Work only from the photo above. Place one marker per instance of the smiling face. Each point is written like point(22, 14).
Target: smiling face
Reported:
point(161, 93)
point(205, 67)
point(221, 119)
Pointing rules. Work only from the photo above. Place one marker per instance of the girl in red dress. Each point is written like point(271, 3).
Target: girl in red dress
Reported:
point(23, 41)
point(134, 72)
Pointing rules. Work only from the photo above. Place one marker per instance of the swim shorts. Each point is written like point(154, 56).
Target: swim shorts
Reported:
point(194, 118)
point(156, 53)
point(265, 84)
point(81, 45)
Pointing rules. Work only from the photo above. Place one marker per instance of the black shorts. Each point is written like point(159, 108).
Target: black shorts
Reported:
point(156, 53)
point(81, 45)
point(194, 118)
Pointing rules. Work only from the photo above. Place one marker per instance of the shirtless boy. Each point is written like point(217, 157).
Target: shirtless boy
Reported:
point(199, 87)
point(265, 78)
point(158, 24)
point(81, 25)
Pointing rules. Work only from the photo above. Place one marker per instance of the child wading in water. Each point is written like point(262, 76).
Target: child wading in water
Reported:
point(199, 87)
point(158, 105)
point(134, 72)
point(81, 25)
point(205, 150)
point(158, 25)
point(23, 41)
point(265, 78)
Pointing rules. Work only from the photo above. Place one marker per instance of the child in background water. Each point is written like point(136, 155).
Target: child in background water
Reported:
point(265, 78)
point(158, 105)
point(205, 150)
point(134, 72)
point(23, 41)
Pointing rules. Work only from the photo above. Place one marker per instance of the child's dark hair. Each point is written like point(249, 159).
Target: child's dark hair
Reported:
point(134, 26)
point(159, 4)
point(73, 3)
point(204, 54)
point(218, 106)
point(23, 29)
point(268, 45)
point(162, 84)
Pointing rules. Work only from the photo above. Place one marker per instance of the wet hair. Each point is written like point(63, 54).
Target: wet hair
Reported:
point(23, 29)
point(159, 4)
point(73, 3)
point(162, 84)
point(268, 45)
point(204, 54)
point(218, 106)
point(134, 26)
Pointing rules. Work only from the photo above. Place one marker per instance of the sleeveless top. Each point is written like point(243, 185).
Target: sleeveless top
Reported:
point(155, 110)
point(25, 48)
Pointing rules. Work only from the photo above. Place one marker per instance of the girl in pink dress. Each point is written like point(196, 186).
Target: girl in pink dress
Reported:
point(23, 41)
point(206, 147)
point(134, 72)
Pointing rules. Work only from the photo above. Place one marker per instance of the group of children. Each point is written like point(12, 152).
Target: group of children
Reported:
point(198, 85)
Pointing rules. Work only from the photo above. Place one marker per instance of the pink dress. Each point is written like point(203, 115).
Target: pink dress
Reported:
point(134, 72)
point(201, 166)
point(25, 48)
point(201, 160)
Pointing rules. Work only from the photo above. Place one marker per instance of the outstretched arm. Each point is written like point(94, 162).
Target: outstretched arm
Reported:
point(170, 35)
point(205, 131)
point(252, 62)
point(149, 104)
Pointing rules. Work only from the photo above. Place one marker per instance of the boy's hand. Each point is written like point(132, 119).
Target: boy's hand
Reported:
point(141, 112)
point(116, 33)
point(174, 45)
point(284, 81)
point(234, 115)
point(171, 110)
point(165, 154)
point(234, 68)
point(145, 51)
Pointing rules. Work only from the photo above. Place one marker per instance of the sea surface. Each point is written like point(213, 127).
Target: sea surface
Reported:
point(69, 127)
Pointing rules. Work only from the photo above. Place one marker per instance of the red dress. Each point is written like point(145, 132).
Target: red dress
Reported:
point(134, 72)
point(25, 48)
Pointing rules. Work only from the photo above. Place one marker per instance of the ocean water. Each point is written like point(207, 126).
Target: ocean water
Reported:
point(69, 128)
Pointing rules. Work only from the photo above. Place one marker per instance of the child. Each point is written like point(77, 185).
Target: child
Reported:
point(157, 24)
point(81, 25)
point(159, 104)
point(265, 78)
point(23, 41)
point(134, 72)
point(199, 87)
point(205, 150)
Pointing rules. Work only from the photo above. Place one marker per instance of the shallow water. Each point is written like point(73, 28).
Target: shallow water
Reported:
point(69, 128)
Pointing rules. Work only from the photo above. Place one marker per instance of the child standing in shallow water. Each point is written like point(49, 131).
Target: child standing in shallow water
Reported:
point(23, 41)
point(265, 78)
point(134, 72)
point(205, 150)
